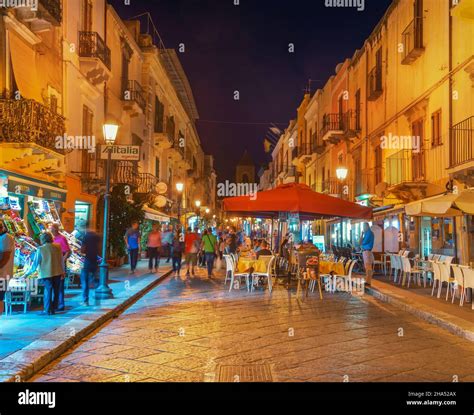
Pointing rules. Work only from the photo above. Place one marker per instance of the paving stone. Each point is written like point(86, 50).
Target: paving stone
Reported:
point(341, 338)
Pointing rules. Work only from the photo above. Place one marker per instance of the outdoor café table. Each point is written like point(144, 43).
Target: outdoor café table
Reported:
point(255, 265)
point(326, 267)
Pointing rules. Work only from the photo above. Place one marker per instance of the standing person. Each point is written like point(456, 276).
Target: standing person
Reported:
point(48, 260)
point(191, 249)
point(178, 248)
point(61, 240)
point(232, 242)
point(167, 242)
point(90, 250)
point(132, 241)
point(209, 245)
point(7, 255)
point(154, 247)
point(367, 243)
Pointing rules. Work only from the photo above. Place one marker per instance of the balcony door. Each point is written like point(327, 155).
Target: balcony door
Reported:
point(87, 131)
point(87, 15)
point(418, 159)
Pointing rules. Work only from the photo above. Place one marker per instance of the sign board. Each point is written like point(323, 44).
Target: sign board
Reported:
point(123, 153)
point(37, 190)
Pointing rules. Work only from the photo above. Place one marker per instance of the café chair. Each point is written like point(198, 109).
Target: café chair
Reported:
point(233, 275)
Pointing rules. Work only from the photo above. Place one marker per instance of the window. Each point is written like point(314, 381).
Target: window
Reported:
point(358, 175)
point(436, 135)
point(357, 110)
point(159, 116)
point(87, 131)
point(157, 167)
point(378, 164)
point(87, 15)
point(53, 104)
point(418, 161)
point(378, 70)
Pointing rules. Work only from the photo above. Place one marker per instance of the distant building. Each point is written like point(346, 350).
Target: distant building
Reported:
point(245, 170)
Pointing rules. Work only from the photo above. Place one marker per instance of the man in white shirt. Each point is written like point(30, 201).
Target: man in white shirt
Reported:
point(7, 255)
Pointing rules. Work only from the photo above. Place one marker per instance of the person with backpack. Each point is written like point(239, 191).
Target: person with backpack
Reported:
point(209, 246)
point(177, 254)
point(192, 243)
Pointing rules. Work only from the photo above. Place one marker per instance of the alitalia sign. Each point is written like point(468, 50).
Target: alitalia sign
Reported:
point(130, 153)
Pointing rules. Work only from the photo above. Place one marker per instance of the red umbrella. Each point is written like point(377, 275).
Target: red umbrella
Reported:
point(295, 198)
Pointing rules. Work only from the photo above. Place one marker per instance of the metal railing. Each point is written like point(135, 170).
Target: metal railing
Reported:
point(405, 166)
point(332, 122)
point(374, 80)
point(128, 173)
point(412, 37)
point(133, 91)
point(28, 121)
point(91, 45)
point(461, 142)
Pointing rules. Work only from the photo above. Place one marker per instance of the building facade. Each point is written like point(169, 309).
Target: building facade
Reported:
point(398, 118)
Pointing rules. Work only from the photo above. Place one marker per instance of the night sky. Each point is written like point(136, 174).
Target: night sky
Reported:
point(245, 48)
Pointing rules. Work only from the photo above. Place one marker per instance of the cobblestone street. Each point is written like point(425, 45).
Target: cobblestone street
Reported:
point(194, 330)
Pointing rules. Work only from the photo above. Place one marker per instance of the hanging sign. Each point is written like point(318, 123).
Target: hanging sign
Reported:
point(123, 153)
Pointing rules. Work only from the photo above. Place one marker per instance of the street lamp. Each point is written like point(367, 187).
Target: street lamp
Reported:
point(341, 173)
point(179, 188)
point(103, 291)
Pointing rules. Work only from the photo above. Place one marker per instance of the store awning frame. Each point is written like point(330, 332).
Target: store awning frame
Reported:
point(443, 205)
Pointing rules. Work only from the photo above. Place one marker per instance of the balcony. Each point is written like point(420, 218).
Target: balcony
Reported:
point(94, 56)
point(374, 81)
point(337, 127)
point(26, 121)
point(48, 14)
point(334, 187)
point(412, 38)
point(133, 97)
point(177, 150)
point(164, 134)
point(127, 173)
point(406, 174)
point(461, 151)
point(303, 153)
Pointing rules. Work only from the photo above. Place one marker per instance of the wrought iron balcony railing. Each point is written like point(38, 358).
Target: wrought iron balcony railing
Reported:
point(133, 91)
point(405, 166)
point(28, 121)
point(374, 80)
point(461, 143)
point(91, 45)
point(412, 41)
point(332, 122)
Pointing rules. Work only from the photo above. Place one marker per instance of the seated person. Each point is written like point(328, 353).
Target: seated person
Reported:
point(264, 250)
point(256, 245)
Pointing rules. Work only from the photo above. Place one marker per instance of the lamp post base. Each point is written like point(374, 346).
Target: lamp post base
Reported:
point(103, 291)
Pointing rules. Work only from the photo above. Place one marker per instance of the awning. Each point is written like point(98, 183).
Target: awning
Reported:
point(155, 215)
point(445, 205)
point(294, 198)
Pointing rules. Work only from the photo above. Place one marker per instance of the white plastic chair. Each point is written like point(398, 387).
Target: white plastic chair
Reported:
point(267, 275)
point(230, 265)
point(347, 279)
point(468, 274)
point(445, 277)
point(409, 271)
point(458, 282)
point(397, 264)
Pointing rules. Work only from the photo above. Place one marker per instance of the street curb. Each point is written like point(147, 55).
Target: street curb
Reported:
point(436, 317)
point(24, 363)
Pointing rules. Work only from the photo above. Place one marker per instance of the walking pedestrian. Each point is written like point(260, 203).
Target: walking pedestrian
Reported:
point(7, 255)
point(48, 259)
point(367, 240)
point(90, 250)
point(61, 240)
point(132, 241)
point(154, 247)
point(167, 242)
point(178, 247)
point(191, 249)
point(209, 246)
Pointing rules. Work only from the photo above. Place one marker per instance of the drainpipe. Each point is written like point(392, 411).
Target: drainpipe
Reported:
point(450, 113)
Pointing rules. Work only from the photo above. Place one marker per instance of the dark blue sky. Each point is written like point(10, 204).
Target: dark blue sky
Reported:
point(245, 48)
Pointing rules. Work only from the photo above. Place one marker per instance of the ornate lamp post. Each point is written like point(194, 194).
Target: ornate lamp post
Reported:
point(341, 174)
point(179, 189)
point(103, 291)
point(198, 206)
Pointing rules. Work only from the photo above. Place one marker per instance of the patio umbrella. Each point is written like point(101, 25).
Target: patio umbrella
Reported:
point(295, 198)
